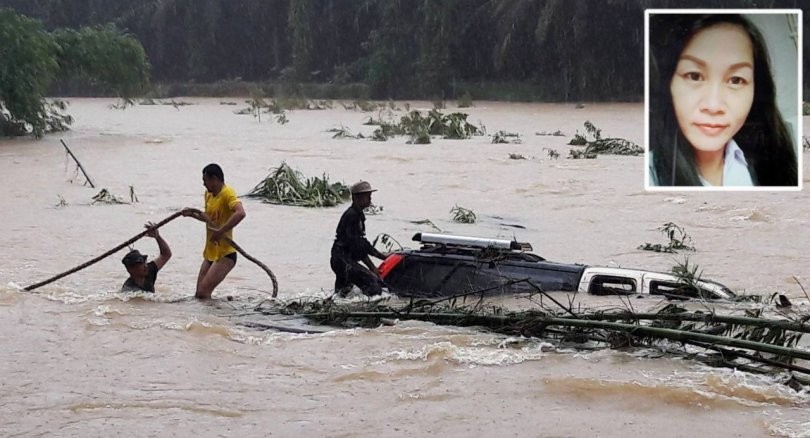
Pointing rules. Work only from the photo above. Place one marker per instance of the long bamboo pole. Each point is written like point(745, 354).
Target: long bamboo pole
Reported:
point(540, 322)
point(103, 256)
point(142, 234)
point(708, 318)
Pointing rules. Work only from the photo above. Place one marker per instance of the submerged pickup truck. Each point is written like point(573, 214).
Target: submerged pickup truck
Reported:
point(447, 265)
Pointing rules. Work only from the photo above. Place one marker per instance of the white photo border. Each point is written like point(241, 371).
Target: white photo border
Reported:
point(800, 86)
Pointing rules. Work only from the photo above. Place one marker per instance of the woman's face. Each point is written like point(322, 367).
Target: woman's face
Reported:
point(713, 86)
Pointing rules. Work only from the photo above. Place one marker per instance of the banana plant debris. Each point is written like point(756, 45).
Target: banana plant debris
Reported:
point(287, 186)
point(678, 240)
point(595, 144)
point(749, 341)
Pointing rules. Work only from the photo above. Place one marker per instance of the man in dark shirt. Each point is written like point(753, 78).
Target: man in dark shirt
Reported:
point(351, 247)
point(142, 275)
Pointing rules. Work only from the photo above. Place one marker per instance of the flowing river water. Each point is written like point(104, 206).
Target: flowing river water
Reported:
point(82, 359)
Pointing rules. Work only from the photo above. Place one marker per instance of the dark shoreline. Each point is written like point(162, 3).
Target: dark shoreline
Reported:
point(471, 91)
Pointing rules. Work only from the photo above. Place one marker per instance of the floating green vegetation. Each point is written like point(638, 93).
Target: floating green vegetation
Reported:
point(105, 197)
point(122, 103)
point(746, 342)
point(175, 103)
point(148, 101)
point(420, 128)
point(462, 215)
point(282, 119)
point(598, 145)
point(506, 137)
point(429, 223)
point(449, 126)
point(286, 186)
point(344, 132)
point(578, 155)
point(689, 278)
point(678, 240)
point(255, 106)
point(516, 157)
point(361, 105)
point(416, 127)
point(578, 140)
point(556, 133)
point(278, 106)
point(552, 153)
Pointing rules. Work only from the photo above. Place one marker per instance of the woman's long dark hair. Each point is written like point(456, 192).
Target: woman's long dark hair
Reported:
point(764, 137)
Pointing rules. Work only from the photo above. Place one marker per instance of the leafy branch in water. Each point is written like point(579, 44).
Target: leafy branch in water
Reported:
point(598, 145)
point(428, 222)
point(678, 240)
point(462, 215)
point(689, 277)
point(577, 155)
point(286, 186)
point(556, 133)
point(105, 197)
point(420, 128)
point(501, 137)
point(344, 132)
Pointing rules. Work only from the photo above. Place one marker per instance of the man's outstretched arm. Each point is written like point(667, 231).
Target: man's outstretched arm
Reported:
point(165, 251)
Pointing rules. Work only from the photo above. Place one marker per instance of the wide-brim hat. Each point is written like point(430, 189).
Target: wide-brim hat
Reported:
point(133, 257)
point(362, 187)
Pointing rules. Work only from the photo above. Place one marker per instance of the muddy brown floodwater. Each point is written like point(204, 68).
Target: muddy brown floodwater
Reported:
point(81, 359)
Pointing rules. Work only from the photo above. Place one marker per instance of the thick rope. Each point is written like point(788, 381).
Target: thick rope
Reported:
point(199, 215)
point(142, 234)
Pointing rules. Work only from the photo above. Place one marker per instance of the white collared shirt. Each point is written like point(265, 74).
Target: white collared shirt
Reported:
point(735, 168)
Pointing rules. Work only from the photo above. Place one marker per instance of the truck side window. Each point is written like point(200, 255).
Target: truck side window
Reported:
point(611, 285)
point(682, 290)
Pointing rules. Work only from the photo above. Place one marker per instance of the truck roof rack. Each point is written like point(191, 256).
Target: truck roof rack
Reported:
point(471, 242)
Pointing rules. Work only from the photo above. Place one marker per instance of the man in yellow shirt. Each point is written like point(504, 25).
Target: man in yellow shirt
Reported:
point(223, 211)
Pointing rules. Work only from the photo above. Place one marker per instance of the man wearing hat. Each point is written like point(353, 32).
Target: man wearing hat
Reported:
point(351, 247)
point(142, 275)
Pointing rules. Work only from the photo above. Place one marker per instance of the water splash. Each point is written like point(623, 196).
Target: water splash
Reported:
point(465, 355)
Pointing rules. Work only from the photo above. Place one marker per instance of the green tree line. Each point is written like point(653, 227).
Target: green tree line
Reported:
point(31, 59)
point(561, 50)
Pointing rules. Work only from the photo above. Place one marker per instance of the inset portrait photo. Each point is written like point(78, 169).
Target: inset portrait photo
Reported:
point(723, 99)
